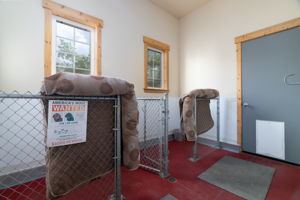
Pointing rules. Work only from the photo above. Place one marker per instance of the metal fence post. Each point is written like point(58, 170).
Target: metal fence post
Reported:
point(164, 173)
point(195, 157)
point(117, 157)
point(218, 146)
point(145, 125)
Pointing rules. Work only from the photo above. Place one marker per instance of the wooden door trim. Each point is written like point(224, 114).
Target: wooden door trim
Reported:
point(238, 41)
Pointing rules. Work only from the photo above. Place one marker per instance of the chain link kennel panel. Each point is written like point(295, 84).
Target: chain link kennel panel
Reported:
point(153, 133)
point(22, 149)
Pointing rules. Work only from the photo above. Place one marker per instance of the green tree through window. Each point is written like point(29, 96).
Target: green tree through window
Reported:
point(154, 70)
point(73, 49)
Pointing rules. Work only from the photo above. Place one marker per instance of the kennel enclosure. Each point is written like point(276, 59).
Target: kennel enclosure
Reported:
point(22, 167)
point(197, 117)
point(22, 148)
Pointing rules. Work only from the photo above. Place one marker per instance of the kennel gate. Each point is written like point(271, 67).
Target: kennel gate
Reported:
point(22, 149)
point(153, 133)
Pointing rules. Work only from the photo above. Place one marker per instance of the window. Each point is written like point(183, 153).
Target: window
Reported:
point(72, 47)
point(156, 66)
point(154, 72)
point(72, 40)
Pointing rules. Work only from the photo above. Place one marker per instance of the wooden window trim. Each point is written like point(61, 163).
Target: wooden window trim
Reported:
point(56, 9)
point(294, 23)
point(149, 42)
point(269, 30)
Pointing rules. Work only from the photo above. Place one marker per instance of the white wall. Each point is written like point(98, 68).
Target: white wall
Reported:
point(205, 37)
point(21, 45)
point(207, 49)
point(125, 24)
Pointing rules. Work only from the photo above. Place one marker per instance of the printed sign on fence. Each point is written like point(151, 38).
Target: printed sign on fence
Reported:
point(67, 122)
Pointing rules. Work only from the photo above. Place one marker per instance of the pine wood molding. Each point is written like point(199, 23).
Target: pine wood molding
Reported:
point(48, 43)
point(294, 23)
point(239, 94)
point(56, 9)
point(269, 30)
point(72, 14)
point(165, 48)
point(148, 90)
point(156, 44)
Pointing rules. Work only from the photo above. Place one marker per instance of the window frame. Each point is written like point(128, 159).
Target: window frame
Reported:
point(53, 9)
point(150, 43)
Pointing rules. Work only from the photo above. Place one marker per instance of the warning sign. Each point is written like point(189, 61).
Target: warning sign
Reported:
point(67, 121)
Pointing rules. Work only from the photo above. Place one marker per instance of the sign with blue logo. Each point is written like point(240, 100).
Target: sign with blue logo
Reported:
point(67, 122)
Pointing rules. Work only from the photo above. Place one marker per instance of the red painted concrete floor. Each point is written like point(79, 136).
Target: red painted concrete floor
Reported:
point(144, 185)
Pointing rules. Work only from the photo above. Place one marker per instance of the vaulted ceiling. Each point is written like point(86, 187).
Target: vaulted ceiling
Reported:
point(179, 8)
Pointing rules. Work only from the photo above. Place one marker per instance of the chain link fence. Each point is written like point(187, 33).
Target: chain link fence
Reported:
point(153, 133)
point(22, 149)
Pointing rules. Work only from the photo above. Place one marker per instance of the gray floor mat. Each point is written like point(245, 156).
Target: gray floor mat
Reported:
point(168, 197)
point(243, 178)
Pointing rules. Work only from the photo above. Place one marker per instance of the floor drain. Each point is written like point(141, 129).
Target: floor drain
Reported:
point(172, 179)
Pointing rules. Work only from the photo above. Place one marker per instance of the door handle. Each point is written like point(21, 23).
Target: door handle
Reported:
point(287, 82)
point(246, 104)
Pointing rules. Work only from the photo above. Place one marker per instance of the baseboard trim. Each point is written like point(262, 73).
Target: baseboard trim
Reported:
point(213, 143)
point(225, 146)
point(22, 176)
point(171, 137)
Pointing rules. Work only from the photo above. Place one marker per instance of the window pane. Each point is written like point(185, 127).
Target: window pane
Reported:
point(154, 83)
point(64, 30)
point(82, 35)
point(64, 59)
point(150, 83)
point(82, 49)
point(64, 69)
point(81, 71)
point(64, 45)
point(157, 84)
point(150, 58)
point(82, 62)
point(157, 73)
point(154, 70)
point(157, 58)
point(149, 72)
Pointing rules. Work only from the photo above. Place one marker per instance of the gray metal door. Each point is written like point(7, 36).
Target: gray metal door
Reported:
point(265, 63)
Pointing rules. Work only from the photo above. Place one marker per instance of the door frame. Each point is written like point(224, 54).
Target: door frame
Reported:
point(238, 41)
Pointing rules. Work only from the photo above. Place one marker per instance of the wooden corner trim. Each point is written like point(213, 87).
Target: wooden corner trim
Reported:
point(269, 30)
point(239, 94)
point(166, 70)
point(98, 52)
point(156, 44)
point(145, 64)
point(48, 43)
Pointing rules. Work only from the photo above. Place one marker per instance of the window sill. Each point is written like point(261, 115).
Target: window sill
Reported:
point(153, 90)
